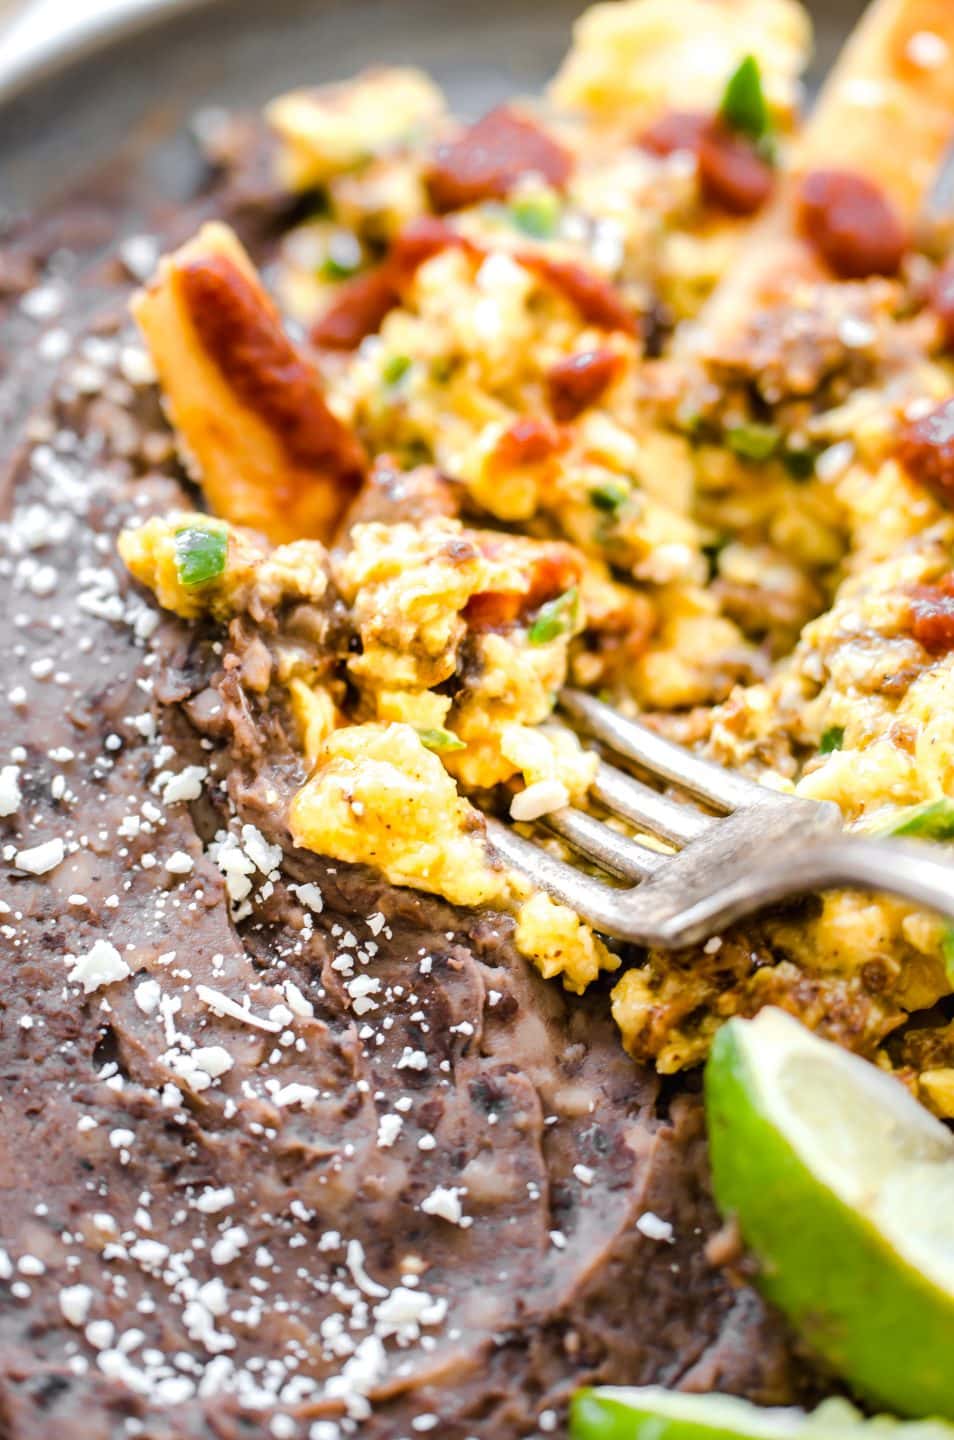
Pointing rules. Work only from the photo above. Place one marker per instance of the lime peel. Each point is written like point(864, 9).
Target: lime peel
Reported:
point(652, 1413)
point(843, 1187)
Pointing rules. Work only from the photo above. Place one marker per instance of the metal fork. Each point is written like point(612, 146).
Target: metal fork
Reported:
point(763, 847)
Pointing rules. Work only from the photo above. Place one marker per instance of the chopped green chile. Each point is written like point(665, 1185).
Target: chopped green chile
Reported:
point(537, 215)
point(395, 368)
point(934, 820)
point(343, 258)
point(201, 553)
point(610, 496)
point(947, 952)
point(832, 739)
point(799, 462)
point(743, 106)
point(753, 441)
point(438, 739)
point(555, 618)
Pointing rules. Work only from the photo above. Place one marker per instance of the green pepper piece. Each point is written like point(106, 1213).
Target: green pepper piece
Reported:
point(395, 368)
point(438, 739)
point(201, 552)
point(743, 106)
point(611, 496)
point(555, 618)
point(934, 820)
point(753, 441)
point(832, 739)
point(537, 215)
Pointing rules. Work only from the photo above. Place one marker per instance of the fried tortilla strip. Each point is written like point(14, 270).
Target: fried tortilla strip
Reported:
point(247, 404)
point(886, 114)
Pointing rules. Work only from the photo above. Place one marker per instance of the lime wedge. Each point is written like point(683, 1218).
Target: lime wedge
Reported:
point(654, 1414)
point(843, 1187)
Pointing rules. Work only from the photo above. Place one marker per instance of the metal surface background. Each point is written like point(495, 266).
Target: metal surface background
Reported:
point(135, 69)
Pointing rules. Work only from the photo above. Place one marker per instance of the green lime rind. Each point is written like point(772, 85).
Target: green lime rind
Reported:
point(842, 1186)
point(651, 1413)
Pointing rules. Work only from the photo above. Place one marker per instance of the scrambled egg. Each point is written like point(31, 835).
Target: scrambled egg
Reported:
point(638, 58)
point(493, 485)
point(378, 796)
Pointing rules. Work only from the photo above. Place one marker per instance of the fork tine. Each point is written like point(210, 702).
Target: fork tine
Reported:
point(662, 758)
point(593, 900)
point(613, 852)
point(631, 800)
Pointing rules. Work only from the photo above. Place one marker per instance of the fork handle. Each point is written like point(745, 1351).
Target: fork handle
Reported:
point(910, 870)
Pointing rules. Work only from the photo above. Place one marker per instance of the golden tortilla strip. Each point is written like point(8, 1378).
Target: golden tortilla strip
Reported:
point(885, 115)
point(247, 404)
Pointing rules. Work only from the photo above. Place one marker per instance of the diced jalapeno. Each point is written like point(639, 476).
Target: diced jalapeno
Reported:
point(799, 462)
point(343, 258)
point(395, 368)
point(438, 739)
point(201, 551)
point(947, 952)
point(743, 106)
point(611, 496)
point(753, 441)
point(537, 215)
point(934, 820)
point(555, 618)
point(832, 739)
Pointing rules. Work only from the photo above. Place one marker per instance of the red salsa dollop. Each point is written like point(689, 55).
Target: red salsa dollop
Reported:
point(926, 450)
point(850, 224)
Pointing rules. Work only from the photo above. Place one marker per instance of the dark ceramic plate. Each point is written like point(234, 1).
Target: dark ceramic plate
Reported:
point(137, 77)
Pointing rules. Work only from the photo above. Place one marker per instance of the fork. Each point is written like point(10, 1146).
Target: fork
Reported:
point(763, 847)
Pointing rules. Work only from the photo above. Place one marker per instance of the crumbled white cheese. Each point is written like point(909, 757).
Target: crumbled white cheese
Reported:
point(444, 1202)
point(147, 995)
point(540, 798)
point(295, 1094)
point(101, 965)
point(187, 785)
point(41, 858)
point(179, 863)
point(310, 896)
point(389, 1128)
point(215, 1060)
point(654, 1228)
point(10, 796)
point(75, 1302)
point(211, 1201)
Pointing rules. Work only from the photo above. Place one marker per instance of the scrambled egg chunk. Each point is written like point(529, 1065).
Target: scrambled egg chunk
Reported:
point(634, 59)
point(379, 797)
point(337, 128)
point(197, 565)
point(556, 940)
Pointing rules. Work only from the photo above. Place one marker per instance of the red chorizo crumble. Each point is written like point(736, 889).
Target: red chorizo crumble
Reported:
point(554, 572)
point(850, 224)
point(598, 302)
point(490, 157)
point(932, 615)
point(942, 301)
point(576, 383)
point(361, 304)
point(926, 450)
point(528, 441)
point(732, 174)
point(674, 131)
